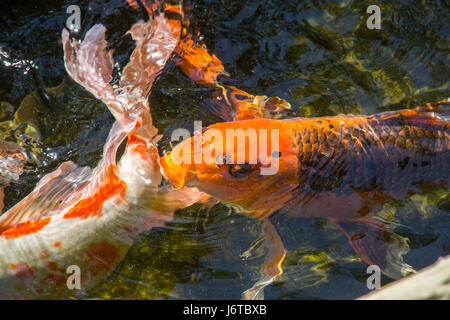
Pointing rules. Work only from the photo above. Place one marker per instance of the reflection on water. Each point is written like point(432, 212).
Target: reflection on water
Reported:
point(318, 55)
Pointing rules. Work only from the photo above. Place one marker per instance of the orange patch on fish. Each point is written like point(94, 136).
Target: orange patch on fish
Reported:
point(175, 23)
point(52, 265)
point(43, 254)
point(25, 228)
point(23, 271)
point(133, 4)
point(102, 256)
point(137, 144)
point(92, 206)
point(58, 275)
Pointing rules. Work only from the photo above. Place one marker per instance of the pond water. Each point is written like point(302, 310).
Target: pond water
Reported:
point(318, 55)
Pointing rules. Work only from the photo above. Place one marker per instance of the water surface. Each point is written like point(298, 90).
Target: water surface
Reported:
point(318, 55)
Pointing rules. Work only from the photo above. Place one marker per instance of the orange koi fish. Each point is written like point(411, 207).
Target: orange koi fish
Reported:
point(341, 168)
point(88, 217)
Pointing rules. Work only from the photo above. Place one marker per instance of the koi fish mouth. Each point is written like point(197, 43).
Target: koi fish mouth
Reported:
point(173, 171)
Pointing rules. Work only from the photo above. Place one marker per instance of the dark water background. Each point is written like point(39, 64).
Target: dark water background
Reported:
point(318, 55)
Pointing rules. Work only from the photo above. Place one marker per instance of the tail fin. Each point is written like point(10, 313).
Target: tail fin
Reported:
point(90, 64)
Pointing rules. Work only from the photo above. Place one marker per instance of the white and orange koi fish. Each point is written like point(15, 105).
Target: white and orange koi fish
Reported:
point(89, 217)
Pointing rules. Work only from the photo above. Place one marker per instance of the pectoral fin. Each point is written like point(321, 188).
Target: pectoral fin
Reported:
point(376, 245)
point(272, 265)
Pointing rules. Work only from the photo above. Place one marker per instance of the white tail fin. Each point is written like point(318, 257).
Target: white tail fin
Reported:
point(90, 64)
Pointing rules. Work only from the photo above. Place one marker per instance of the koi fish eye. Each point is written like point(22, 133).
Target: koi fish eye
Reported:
point(241, 170)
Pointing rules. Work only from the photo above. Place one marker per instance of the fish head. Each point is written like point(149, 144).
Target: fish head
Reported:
point(250, 165)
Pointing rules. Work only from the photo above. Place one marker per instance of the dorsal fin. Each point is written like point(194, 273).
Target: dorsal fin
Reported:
point(435, 114)
point(439, 109)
